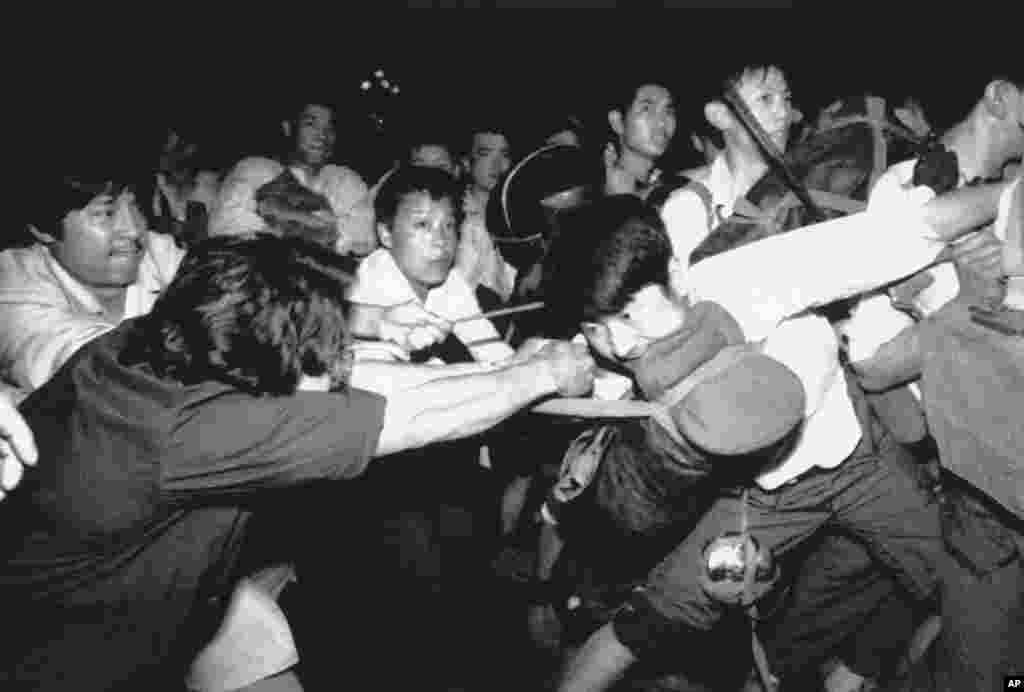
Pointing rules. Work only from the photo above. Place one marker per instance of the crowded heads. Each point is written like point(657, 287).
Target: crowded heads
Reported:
point(765, 92)
point(488, 158)
point(311, 133)
point(643, 119)
point(418, 217)
point(1001, 111)
point(608, 271)
point(259, 313)
point(93, 227)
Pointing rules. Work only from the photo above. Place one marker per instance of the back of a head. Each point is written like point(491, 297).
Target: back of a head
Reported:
point(254, 312)
point(436, 183)
point(606, 252)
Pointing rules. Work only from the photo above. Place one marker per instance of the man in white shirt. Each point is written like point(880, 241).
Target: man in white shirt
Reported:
point(689, 217)
point(311, 136)
point(92, 266)
point(792, 499)
point(418, 220)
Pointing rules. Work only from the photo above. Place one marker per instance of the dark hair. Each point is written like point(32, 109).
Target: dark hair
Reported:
point(68, 193)
point(407, 180)
point(606, 252)
point(254, 312)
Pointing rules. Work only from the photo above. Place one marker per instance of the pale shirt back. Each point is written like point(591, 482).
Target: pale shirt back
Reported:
point(380, 282)
point(46, 314)
point(235, 210)
point(686, 216)
point(768, 286)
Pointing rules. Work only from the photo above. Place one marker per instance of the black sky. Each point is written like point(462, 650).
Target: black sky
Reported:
point(523, 67)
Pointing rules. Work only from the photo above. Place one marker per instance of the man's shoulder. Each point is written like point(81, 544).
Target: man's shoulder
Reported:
point(26, 267)
point(342, 176)
point(378, 281)
point(255, 166)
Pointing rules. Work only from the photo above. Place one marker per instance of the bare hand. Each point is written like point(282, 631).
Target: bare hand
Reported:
point(980, 254)
point(412, 327)
point(529, 348)
point(17, 445)
point(571, 366)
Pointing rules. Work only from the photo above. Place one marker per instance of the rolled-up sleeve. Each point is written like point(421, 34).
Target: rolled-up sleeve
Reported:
point(238, 444)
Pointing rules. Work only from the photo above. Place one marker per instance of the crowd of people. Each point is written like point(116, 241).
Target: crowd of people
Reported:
point(527, 415)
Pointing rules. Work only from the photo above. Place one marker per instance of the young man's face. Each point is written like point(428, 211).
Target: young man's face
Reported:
point(489, 159)
point(422, 239)
point(432, 156)
point(652, 314)
point(102, 244)
point(648, 126)
point(314, 135)
point(766, 93)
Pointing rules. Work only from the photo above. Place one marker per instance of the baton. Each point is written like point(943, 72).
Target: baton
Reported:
point(525, 307)
point(775, 157)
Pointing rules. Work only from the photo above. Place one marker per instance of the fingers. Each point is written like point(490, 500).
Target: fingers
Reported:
point(981, 254)
point(425, 336)
point(11, 469)
point(15, 434)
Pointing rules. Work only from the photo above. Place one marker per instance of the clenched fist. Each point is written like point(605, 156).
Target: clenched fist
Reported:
point(570, 365)
point(412, 327)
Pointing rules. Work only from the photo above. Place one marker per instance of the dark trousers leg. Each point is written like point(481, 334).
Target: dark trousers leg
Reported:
point(844, 605)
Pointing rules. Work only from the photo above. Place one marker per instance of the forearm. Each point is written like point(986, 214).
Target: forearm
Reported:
point(393, 379)
point(452, 408)
point(364, 320)
point(956, 213)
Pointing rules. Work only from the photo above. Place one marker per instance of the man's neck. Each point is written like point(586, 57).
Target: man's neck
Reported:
point(636, 166)
point(309, 169)
point(746, 168)
point(478, 197)
point(112, 300)
point(969, 140)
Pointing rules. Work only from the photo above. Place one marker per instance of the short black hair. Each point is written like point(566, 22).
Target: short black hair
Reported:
point(254, 312)
point(63, 194)
point(407, 180)
point(607, 251)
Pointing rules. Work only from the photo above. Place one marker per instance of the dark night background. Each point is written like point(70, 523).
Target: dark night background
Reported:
point(525, 69)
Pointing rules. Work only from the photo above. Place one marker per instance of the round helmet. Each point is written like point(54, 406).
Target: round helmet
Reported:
point(553, 177)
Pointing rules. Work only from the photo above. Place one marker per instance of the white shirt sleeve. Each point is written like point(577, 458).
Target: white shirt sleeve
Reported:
point(774, 278)
point(686, 221)
point(479, 336)
point(235, 210)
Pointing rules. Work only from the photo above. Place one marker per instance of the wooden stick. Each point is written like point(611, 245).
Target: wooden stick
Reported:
point(774, 156)
point(526, 307)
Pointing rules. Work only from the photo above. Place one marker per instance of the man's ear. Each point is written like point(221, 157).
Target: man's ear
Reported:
point(384, 233)
point(718, 116)
point(43, 238)
point(286, 128)
point(615, 120)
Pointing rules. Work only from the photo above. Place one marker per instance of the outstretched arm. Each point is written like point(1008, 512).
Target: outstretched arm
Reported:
point(451, 408)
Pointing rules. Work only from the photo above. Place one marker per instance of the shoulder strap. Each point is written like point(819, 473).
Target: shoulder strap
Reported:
point(704, 193)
